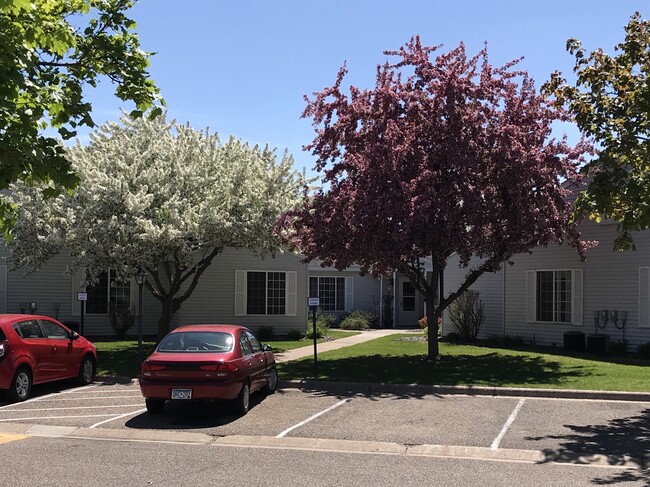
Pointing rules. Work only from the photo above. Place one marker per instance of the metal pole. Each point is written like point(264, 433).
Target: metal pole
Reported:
point(140, 324)
point(315, 340)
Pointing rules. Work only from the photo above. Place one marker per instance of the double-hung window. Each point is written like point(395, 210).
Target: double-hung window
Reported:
point(554, 296)
point(108, 289)
point(265, 293)
point(330, 291)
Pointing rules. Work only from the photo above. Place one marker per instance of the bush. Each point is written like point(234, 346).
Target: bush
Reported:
point(644, 350)
point(265, 333)
point(619, 347)
point(466, 314)
point(513, 341)
point(453, 337)
point(321, 331)
point(295, 335)
point(121, 318)
point(358, 320)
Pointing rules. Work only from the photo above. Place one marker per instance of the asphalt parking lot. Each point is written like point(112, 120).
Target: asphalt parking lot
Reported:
point(576, 431)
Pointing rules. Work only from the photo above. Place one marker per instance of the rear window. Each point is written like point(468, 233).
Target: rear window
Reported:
point(197, 341)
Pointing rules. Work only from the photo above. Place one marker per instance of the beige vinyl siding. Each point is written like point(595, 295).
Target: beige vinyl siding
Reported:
point(217, 300)
point(490, 288)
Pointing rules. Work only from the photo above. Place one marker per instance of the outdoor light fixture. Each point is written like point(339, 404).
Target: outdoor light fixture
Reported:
point(32, 307)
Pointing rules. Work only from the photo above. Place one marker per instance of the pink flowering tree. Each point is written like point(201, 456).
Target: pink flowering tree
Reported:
point(445, 156)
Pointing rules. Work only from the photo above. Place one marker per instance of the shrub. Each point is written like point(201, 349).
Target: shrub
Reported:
point(295, 335)
point(323, 320)
point(453, 337)
point(513, 341)
point(466, 314)
point(358, 320)
point(423, 322)
point(644, 350)
point(321, 331)
point(619, 347)
point(494, 341)
point(265, 333)
point(121, 318)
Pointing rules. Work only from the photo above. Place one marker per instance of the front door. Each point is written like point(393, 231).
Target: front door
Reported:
point(409, 305)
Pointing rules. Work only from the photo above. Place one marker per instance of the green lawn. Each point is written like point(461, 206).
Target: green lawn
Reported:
point(390, 360)
point(121, 357)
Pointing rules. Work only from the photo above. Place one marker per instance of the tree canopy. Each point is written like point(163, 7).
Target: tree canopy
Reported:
point(159, 196)
point(611, 103)
point(50, 51)
point(444, 156)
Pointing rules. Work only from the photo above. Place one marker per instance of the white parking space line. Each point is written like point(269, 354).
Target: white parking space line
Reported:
point(311, 418)
point(513, 415)
point(89, 398)
point(56, 417)
point(119, 417)
point(46, 396)
point(76, 407)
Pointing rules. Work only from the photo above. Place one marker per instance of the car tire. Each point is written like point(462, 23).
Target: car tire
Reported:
point(242, 403)
point(272, 384)
point(21, 385)
point(155, 406)
point(86, 370)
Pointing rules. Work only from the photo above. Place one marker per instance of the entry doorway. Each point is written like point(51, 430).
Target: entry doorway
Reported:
point(409, 303)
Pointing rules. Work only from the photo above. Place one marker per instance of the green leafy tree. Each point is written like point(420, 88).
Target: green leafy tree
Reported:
point(158, 196)
point(611, 103)
point(50, 50)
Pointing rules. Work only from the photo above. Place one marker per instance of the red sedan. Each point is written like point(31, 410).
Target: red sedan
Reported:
point(36, 349)
point(207, 362)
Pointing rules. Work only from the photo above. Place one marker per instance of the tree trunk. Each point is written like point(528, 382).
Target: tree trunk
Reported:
point(169, 308)
point(432, 324)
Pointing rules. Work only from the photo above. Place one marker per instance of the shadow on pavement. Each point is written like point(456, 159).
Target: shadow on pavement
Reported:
point(620, 440)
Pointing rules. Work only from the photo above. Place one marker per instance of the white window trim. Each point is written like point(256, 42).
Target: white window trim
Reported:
point(132, 290)
point(348, 298)
point(241, 292)
point(577, 297)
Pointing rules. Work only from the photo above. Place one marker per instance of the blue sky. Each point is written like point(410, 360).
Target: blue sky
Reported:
point(242, 67)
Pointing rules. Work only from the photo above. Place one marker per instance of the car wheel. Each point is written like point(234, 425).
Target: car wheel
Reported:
point(272, 383)
point(21, 384)
point(155, 406)
point(86, 370)
point(243, 399)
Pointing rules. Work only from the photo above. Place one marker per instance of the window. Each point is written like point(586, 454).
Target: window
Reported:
point(266, 293)
point(554, 296)
point(245, 346)
point(255, 344)
point(408, 296)
point(330, 291)
point(108, 289)
point(52, 330)
point(28, 329)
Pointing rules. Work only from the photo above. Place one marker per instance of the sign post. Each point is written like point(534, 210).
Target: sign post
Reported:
point(82, 298)
point(313, 304)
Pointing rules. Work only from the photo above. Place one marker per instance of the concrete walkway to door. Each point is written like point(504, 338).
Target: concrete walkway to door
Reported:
point(308, 351)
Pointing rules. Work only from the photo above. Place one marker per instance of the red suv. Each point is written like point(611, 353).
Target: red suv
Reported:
point(36, 349)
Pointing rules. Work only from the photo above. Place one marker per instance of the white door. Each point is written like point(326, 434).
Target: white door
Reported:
point(409, 305)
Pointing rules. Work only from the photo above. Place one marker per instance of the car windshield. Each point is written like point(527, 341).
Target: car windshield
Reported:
point(197, 341)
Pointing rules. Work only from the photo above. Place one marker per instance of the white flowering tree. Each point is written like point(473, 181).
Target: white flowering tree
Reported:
point(159, 196)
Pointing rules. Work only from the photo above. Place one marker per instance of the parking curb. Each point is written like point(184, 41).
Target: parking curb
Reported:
point(421, 389)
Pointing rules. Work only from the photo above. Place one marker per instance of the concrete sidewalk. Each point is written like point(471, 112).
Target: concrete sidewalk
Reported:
point(308, 350)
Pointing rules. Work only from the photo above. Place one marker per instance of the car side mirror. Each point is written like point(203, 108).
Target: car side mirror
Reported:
point(267, 348)
point(74, 336)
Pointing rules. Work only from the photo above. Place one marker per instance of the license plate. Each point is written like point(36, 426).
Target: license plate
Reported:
point(181, 393)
